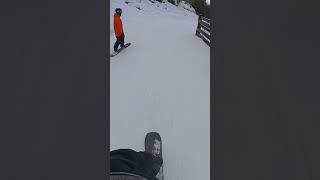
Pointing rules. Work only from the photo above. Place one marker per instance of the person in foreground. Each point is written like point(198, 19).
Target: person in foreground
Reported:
point(127, 164)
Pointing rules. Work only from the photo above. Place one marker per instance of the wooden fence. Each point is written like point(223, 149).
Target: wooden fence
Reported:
point(203, 29)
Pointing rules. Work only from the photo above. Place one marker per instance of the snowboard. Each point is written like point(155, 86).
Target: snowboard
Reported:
point(126, 175)
point(153, 145)
point(122, 48)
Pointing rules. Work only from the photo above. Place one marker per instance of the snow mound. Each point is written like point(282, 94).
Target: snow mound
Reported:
point(187, 6)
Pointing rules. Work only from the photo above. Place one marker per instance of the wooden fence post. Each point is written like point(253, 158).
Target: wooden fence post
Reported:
point(198, 26)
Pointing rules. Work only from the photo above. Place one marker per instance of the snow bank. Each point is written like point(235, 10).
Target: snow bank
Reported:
point(186, 6)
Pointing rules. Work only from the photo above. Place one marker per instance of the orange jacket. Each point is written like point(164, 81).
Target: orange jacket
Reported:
point(117, 24)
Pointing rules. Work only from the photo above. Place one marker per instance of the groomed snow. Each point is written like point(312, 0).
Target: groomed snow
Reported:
point(162, 83)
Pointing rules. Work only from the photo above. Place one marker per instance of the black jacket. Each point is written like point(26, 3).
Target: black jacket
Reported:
point(140, 163)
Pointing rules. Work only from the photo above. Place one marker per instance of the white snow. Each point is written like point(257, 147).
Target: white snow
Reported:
point(162, 83)
point(186, 6)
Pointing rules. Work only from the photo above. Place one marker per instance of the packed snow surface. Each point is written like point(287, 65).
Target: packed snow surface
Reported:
point(162, 83)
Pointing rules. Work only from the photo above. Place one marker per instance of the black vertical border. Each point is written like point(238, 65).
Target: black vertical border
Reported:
point(264, 90)
point(213, 80)
point(108, 85)
point(54, 89)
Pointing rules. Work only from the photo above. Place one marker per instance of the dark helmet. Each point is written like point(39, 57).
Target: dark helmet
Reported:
point(119, 11)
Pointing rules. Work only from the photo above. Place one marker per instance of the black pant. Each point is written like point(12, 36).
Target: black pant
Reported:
point(140, 163)
point(120, 41)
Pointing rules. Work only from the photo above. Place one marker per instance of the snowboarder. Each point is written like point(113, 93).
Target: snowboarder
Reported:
point(118, 29)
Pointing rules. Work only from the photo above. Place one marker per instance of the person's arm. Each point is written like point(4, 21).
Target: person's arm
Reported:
point(114, 26)
point(121, 26)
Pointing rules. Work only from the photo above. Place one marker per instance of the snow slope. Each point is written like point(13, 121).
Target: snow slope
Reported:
point(162, 83)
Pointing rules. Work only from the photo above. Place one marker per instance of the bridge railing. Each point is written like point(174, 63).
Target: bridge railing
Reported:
point(203, 29)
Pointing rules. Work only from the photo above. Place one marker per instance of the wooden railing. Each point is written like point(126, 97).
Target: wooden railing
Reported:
point(203, 29)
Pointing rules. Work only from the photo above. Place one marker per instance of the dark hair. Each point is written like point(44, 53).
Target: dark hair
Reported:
point(118, 11)
point(150, 137)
